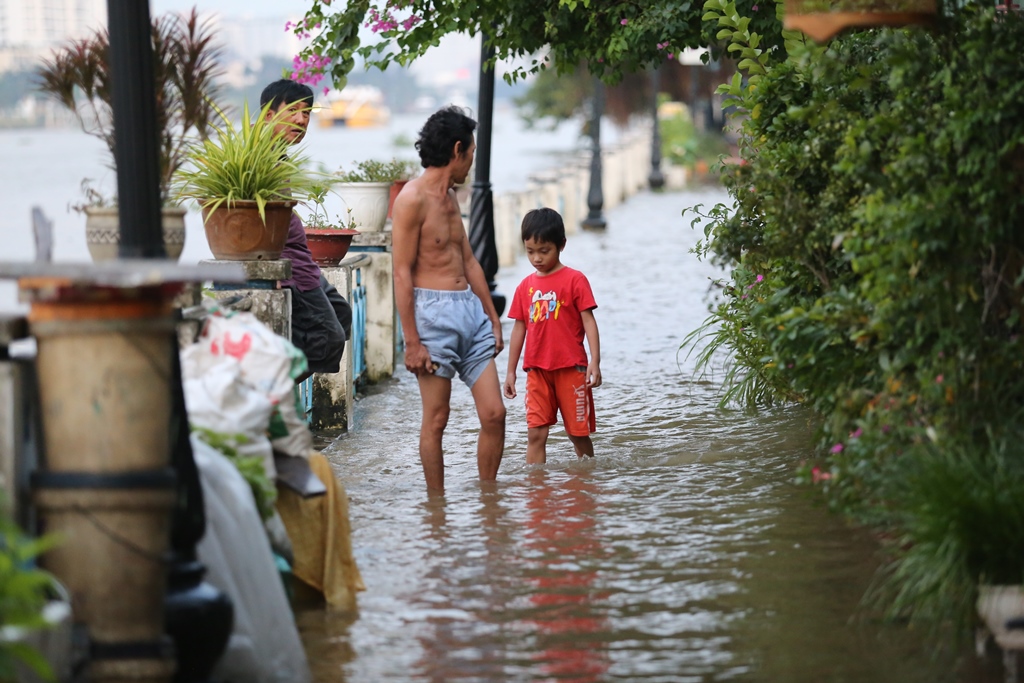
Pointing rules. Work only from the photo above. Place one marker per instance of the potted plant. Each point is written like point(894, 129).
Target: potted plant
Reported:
point(247, 179)
point(185, 65)
point(366, 191)
point(328, 240)
point(35, 610)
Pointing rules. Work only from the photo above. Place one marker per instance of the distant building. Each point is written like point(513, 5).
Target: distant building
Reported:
point(29, 29)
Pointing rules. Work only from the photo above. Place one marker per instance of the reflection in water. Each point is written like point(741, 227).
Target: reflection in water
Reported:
point(682, 553)
point(563, 552)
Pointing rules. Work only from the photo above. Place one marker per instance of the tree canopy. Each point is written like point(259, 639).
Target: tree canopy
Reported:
point(614, 37)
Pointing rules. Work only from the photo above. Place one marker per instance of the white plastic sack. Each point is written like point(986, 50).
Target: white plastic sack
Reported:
point(218, 399)
point(268, 364)
point(264, 645)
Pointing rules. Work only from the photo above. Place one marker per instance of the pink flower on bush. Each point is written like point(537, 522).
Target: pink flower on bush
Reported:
point(754, 8)
point(818, 476)
point(624, 22)
point(838, 448)
point(855, 434)
point(938, 380)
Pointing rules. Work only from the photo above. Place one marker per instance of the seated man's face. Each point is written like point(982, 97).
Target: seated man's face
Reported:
point(292, 120)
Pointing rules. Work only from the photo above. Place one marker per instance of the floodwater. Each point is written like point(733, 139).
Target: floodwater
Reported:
point(683, 552)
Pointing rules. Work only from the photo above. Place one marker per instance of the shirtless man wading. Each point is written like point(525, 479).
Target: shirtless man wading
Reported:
point(448, 319)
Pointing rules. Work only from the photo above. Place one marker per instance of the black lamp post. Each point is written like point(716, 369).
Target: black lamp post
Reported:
point(197, 616)
point(655, 179)
point(481, 212)
point(595, 197)
point(136, 148)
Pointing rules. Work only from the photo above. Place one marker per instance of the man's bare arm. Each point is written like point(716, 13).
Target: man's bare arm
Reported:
point(478, 283)
point(407, 222)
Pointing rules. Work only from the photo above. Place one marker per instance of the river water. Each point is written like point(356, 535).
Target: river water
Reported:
point(683, 552)
point(45, 168)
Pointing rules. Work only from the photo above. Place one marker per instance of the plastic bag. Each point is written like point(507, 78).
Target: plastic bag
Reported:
point(236, 347)
point(264, 645)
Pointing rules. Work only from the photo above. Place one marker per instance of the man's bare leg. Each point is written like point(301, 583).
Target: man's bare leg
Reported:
point(537, 445)
point(436, 393)
point(490, 408)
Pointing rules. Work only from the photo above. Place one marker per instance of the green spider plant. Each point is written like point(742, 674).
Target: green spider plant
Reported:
point(245, 162)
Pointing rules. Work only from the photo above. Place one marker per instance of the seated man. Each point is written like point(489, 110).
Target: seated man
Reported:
point(321, 318)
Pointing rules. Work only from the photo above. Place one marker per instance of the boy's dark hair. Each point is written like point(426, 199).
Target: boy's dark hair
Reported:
point(439, 134)
point(285, 91)
point(544, 225)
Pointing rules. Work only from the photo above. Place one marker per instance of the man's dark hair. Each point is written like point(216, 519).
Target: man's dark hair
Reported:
point(285, 91)
point(440, 133)
point(544, 225)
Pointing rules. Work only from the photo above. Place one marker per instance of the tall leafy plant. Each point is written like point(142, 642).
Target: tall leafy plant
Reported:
point(248, 161)
point(186, 66)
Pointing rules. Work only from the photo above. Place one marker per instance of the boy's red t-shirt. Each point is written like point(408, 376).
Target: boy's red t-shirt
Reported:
point(551, 306)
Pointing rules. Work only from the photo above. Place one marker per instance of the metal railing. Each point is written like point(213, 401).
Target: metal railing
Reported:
point(358, 303)
point(357, 300)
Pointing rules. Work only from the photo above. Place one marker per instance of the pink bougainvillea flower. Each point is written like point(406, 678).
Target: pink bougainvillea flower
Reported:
point(326, 90)
point(818, 476)
point(838, 448)
point(760, 278)
point(855, 434)
point(624, 22)
point(754, 8)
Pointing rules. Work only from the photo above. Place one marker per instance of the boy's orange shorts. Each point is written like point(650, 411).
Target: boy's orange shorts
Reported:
point(564, 390)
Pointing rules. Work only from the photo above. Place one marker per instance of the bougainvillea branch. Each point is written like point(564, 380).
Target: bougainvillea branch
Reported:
point(614, 36)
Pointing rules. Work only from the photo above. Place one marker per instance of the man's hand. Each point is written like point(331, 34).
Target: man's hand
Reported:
point(509, 389)
point(417, 359)
point(593, 375)
point(499, 343)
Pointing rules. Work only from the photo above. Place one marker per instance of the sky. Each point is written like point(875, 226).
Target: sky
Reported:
point(253, 8)
point(455, 55)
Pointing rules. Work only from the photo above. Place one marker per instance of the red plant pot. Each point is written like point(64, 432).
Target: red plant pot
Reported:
point(329, 245)
point(396, 187)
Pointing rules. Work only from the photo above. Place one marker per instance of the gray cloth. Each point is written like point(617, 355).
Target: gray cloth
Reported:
point(321, 323)
point(455, 331)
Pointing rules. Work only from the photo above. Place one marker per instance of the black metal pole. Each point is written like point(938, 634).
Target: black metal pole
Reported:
point(136, 148)
point(595, 197)
point(655, 179)
point(481, 212)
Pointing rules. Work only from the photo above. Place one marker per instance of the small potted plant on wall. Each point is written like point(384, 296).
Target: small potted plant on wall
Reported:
point(247, 179)
point(328, 239)
point(186, 68)
point(367, 191)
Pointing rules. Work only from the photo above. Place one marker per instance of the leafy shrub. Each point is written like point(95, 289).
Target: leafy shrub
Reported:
point(879, 200)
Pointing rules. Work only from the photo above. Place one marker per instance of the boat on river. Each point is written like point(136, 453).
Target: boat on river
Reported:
point(357, 106)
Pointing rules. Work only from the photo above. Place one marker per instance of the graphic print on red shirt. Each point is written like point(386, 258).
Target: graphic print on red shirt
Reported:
point(551, 307)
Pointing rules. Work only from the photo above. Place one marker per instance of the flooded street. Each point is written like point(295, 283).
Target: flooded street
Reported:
point(682, 553)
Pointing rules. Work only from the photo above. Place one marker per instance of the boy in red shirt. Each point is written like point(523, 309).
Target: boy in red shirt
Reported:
point(554, 309)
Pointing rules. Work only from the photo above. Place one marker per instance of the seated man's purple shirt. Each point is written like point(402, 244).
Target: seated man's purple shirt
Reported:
point(305, 273)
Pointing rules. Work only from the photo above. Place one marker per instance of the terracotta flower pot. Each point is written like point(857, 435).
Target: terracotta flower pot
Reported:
point(237, 233)
point(103, 234)
point(329, 245)
point(396, 187)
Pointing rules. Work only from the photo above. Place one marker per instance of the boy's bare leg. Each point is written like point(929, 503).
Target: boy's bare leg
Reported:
point(490, 408)
point(436, 393)
point(536, 445)
point(583, 445)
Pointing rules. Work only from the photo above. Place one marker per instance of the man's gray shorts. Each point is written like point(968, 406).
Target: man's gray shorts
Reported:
point(455, 331)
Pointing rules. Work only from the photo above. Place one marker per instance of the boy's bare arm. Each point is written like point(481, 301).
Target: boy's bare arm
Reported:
point(515, 349)
point(594, 341)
